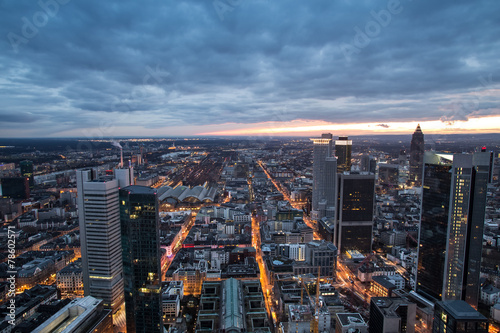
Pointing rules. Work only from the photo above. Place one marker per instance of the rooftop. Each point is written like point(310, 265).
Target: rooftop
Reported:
point(389, 305)
point(461, 310)
point(347, 319)
point(137, 189)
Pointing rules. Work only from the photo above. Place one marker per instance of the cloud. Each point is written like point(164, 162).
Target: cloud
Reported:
point(176, 63)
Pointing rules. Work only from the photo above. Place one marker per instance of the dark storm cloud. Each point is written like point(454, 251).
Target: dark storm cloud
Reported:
point(186, 62)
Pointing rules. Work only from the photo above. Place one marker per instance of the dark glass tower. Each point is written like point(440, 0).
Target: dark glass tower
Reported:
point(416, 157)
point(354, 224)
point(27, 171)
point(141, 258)
point(343, 150)
point(15, 188)
point(453, 210)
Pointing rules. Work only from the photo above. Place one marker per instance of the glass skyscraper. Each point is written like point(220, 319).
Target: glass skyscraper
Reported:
point(416, 157)
point(141, 258)
point(354, 223)
point(453, 209)
point(343, 151)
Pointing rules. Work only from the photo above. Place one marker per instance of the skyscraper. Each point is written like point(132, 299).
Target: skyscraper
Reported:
point(99, 217)
point(324, 176)
point(416, 157)
point(368, 163)
point(343, 149)
point(141, 258)
point(27, 172)
point(451, 231)
point(354, 223)
point(15, 188)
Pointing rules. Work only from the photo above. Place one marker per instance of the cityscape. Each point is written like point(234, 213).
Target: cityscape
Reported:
point(322, 234)
point(249, 166)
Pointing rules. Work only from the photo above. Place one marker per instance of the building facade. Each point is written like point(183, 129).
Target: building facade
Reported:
point(140, 226)
point(416, 157)
point(343, 151)
point(453, 210)
point(392, 314)
point(355, 208)
point(324, 171)
point(99, 217)
point(458, 316)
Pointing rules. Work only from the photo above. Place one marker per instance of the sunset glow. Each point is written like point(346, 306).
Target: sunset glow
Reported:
point(307, 128)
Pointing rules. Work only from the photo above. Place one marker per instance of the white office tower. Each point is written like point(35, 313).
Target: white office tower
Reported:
point(324, 178)
point(125, 176)
point(100, 234)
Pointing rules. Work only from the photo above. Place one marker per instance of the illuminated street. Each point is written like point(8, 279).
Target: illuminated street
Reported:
point(178, 245)
point(286, 197)
point(266, 288)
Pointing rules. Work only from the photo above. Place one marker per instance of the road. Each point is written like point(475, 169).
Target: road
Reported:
point(311, 224)
point(343, 273)
point(266, 288)
point(176, 247)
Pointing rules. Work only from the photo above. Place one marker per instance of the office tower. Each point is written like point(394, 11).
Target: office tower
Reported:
point(388, 174)
point(324, 171)
point(343, 149)
point(368, 163)
point(416, 157)
point(15, 188)
point(451, 229)
point(99, 216)
point(140, 226)
point(458, 317)
point(392, 315)
point(125, 176)
point(354, 223)
point(330, 188)
point(492, 164)
point(322, 254)
point(27, 172)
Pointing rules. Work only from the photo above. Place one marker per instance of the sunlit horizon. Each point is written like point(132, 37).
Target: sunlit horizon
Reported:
point(483, 125)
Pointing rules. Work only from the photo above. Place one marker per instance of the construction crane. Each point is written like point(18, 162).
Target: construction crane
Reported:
point(408, 237)
point(367, 258)
point(314, 302)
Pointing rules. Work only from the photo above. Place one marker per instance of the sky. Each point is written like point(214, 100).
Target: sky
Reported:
point(98, 69)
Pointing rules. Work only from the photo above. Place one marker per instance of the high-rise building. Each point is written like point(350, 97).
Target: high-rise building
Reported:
point(15, 188)
point(388, 175)
point(416, 157)
point(451, 229)
point(99, 217)
point(343, 150)
point(27, 172)
point(355, 207)
point(392, 314)
point(368, 163)
point(458, 317)
point(140, 226)
point(324, 177)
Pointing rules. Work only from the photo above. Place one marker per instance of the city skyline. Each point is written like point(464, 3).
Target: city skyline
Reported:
point(195, 68)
